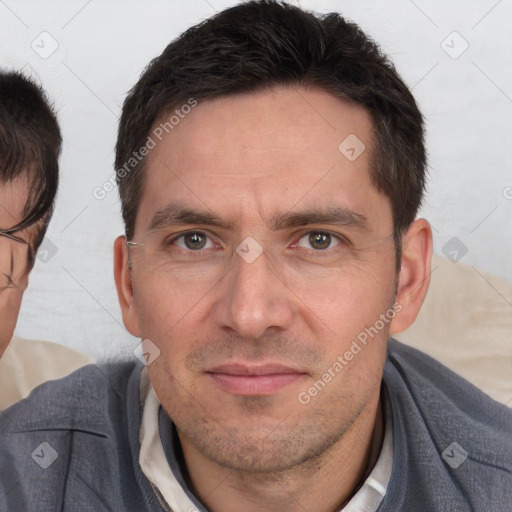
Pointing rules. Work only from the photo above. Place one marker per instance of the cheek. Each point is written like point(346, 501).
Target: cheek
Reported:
point(10, 303)
point(346, 300)
point(168, 308)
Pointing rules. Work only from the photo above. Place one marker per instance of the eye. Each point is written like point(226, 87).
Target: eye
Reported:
point(194, 241)
point(318, 240)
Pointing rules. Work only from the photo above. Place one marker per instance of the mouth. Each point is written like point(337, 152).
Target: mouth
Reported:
point(254, 380)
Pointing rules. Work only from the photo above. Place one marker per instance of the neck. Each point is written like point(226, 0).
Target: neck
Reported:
point(324, 484)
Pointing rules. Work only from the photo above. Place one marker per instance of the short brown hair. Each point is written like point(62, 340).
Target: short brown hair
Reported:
point(264, 43)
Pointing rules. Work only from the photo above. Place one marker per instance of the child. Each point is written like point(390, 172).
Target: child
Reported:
point(30, 144)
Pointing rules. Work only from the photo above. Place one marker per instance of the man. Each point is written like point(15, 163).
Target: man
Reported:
point(271, 165)
point(30, 144)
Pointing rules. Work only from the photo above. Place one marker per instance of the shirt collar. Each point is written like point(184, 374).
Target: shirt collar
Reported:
point(160, 453)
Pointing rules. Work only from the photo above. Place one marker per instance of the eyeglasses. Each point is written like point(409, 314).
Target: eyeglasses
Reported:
point(309, 250)
point(16, 256)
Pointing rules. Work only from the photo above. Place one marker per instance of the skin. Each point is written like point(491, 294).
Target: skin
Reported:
point(248, 159)
point(13, 258)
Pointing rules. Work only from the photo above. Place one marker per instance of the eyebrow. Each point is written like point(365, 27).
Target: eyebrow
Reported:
point(174, 214)
point(335, 215)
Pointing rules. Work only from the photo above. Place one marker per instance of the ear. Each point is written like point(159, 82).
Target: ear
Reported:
point(414, 276)
point(123, 278)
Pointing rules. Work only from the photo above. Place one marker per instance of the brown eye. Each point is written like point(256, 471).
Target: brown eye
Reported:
point(320, 240)
point(194, 240)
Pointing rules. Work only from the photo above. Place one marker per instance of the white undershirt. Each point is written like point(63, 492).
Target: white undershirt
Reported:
point(174, 498)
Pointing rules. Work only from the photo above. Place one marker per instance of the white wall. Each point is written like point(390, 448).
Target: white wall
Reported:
point(103, 47)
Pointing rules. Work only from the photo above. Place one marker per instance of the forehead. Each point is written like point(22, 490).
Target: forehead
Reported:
point(256, 154)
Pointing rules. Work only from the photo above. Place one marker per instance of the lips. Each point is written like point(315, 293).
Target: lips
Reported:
point(254, 380)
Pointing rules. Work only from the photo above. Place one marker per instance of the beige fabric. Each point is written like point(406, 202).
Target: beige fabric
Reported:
point(466, 324)
point(27, 363)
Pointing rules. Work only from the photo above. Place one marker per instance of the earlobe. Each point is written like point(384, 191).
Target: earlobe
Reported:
point(414, 277)
point(122, 276)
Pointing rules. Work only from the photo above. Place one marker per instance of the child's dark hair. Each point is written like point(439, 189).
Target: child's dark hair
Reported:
point(30, 145)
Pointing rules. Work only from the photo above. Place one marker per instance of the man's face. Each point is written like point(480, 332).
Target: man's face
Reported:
point(239, 338)
point(14, 258)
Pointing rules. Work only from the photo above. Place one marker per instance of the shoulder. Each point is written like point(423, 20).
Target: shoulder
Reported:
point(28, 363)
point(81, 399)
point(446, 431)
point(69, 440)
point(441, 393)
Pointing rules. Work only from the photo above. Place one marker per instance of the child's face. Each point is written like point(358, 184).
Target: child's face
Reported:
point(14, 257)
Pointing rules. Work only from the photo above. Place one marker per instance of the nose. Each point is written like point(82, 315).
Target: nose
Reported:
point(252, 299)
